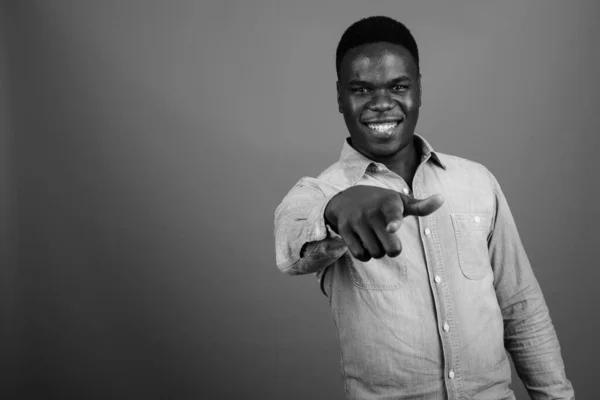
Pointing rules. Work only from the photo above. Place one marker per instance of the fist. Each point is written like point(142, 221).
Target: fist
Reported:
point(367, 218)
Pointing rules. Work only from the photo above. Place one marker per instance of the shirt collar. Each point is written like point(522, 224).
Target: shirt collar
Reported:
point(355, 164)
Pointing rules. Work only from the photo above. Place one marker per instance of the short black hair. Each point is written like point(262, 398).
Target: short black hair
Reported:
point(372, 30)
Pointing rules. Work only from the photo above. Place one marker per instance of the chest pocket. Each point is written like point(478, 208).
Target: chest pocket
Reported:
point(471, 231)
point(383, 274)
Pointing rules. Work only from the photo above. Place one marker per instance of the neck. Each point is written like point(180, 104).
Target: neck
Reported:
point(404, 163)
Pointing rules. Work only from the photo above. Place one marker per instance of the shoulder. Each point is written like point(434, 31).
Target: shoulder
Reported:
point(327, 182)
point(334, 174)
point(455, 163)
point(464, 171)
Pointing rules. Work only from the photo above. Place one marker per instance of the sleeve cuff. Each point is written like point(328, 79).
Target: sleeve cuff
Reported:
point(321, 230)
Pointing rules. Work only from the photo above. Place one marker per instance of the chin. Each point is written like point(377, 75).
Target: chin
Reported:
point(380, 149)
point(385, 149)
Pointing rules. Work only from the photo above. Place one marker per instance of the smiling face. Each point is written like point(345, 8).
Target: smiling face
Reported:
point(379, 93)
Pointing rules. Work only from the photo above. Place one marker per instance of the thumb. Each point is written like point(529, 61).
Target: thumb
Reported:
point(421, 207)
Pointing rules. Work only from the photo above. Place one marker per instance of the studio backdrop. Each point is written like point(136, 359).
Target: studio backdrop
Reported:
point(146, 144)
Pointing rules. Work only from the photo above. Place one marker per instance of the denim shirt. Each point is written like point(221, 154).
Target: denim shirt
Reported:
point(433, 322)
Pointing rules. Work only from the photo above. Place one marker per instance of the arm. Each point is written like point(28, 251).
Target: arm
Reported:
point(366, 218)
point(303, 243)
point(529, 334)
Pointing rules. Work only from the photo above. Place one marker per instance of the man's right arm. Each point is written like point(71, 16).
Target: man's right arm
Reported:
point(303, 243)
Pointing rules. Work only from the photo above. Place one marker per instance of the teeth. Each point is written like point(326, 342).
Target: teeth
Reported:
point(383, 127)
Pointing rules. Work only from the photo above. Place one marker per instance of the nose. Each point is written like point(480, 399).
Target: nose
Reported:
point(381, 102)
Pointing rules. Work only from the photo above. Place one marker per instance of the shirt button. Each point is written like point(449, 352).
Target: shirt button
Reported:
point(437, 279)
point(451, 374)
point(477, 219)
point(446, 327)
point(406, 190)
point(427, 231)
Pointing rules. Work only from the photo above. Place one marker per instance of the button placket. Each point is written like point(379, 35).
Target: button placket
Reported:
point(434, 260)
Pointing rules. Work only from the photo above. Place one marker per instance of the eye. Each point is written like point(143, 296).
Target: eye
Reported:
point(359, 90)
point(401, 88)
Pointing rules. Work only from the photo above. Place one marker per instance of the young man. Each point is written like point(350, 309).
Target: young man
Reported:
point(417, 250)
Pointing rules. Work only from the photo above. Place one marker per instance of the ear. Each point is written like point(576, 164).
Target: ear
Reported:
point(339, 96)
point(420, 91)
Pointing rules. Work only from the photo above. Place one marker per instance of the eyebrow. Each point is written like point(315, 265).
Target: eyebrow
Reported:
point(359, 82)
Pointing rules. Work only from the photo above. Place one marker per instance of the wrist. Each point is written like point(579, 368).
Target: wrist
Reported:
point(328, 215)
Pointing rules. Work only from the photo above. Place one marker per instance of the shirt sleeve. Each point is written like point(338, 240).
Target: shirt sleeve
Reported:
point(529, 334)
point(303, 242)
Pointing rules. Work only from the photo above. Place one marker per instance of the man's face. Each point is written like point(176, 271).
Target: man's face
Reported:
point(379, 93)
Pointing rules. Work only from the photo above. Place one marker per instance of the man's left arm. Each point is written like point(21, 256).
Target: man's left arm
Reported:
point(529, 334)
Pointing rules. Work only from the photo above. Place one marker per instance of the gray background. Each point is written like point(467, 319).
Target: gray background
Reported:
point(149, 143)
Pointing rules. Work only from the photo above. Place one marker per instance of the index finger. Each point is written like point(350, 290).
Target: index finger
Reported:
point(392, 211)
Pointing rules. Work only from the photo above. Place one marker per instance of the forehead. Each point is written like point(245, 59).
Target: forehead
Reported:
point(375, 61)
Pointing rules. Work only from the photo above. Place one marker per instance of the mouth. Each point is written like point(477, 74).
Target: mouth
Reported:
point(383, 129)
